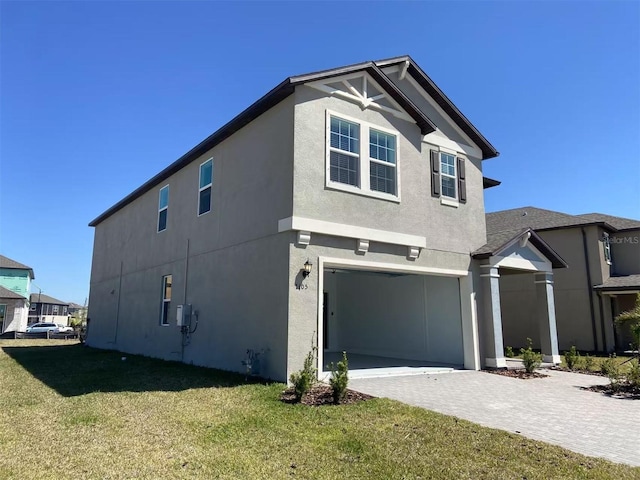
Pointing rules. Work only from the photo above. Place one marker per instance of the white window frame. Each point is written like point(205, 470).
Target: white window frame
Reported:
point(54, 309)
point(164, 319)
point(209, 185)
point(364, 159)
point(162, 209)
point(606, 245)
point(454, 176)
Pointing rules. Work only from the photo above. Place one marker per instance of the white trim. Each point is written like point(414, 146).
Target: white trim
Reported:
point(470, 335)
point(496, 362)
point(413, 253)
point(304, 238)
point(451, 202)
point(361, 98)
point(521, 264)
point(439, 140)
point(618, 292)
point(200, 189)
point(364, 160)
point(555, 359)
point(448, 175)
point(350, 231)
point(363, 246)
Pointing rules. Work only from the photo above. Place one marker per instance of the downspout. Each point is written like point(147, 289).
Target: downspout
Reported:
point(589, 289)
point(115, 336)
point(604, 336)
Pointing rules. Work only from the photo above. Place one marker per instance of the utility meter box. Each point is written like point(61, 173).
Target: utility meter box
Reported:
point(183, 315)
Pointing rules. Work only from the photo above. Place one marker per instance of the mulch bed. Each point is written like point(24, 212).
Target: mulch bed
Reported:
point(577, 370)
point(623, 391)
point(517, 374)
point(323, 395)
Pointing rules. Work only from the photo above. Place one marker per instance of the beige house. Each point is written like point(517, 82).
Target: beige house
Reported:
point(602, 253)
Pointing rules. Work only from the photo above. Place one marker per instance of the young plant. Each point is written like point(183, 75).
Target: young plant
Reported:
point(572, 357)
point(339, 379)
point(304, 379)
point(508, 352)
point(611, 369)
point(633, 375)
point(589, 363)
point(530, 359)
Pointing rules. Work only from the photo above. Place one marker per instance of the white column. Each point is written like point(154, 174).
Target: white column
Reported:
point(546, 312)
point(494, 352)
point(468, 308)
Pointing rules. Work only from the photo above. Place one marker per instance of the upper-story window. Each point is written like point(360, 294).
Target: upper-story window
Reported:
point(448, 178)
point(362, 158)
point(55, 309)
point(204, 190)
point(606, 244)
point(163, 208)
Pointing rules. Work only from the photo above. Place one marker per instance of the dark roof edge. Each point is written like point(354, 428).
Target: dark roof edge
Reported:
point(272, 98)
point(489, 182)
point(488, 150)
point(556, 260)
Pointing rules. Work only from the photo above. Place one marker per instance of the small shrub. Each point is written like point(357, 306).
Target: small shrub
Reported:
point(611, 369)
point(302, 380)
point(508, 352)
point(633, 375)
point(572, 357)
point(339, 379)
point(531, 359)
point(589, 363)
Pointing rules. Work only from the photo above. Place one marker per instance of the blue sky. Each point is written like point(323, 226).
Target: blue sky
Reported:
point(97, 97)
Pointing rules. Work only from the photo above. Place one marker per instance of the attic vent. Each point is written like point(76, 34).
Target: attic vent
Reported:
point(524, 214)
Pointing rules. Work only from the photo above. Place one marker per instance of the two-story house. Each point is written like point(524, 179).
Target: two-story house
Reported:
point(343, 209)
point(15, 282)
point(603, 278)
point(44, 308)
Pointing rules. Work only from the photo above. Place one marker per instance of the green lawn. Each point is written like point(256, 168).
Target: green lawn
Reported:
point(69, 411)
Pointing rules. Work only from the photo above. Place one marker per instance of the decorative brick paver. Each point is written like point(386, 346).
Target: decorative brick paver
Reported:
point(553, 409)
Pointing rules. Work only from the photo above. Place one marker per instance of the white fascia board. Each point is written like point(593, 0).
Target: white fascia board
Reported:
point(331, 262)
point(439, 139)
point(350, 231)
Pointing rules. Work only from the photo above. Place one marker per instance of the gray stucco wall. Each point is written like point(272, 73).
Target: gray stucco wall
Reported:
point(238, 263)
point(574, 296)
point(446, 228)
point(625, 250)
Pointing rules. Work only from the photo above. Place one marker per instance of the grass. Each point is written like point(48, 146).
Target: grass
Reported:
point(69, 411)
point(621, 360)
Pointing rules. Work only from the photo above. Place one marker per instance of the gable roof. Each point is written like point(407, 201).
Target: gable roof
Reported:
point(42, 298)
point(6, 293)
point(537, 219)
point(6, 262)
point(488, 150)
point(619, 223)
point(499, 241)
point(287, 87)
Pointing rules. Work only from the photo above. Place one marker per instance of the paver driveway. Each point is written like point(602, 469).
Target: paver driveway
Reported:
point(552, 409)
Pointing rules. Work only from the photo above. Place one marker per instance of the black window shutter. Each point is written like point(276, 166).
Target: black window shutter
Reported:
point(462, 186)
point(435, 173)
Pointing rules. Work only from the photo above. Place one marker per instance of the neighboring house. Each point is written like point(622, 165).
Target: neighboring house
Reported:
point(48, 309)
point(15, 281)
point(603, 256)
point(344, 208)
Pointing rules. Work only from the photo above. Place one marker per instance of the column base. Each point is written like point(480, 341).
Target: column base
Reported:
point(496, 362)
point(555, 359)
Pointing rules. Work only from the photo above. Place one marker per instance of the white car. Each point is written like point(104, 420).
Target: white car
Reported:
point(43, 327)
point(64, 328)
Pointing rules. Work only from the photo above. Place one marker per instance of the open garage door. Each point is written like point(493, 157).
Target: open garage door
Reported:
point(391, 323)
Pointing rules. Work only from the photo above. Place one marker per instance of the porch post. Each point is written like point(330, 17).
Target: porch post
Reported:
point(494, 356)
point(546, 312)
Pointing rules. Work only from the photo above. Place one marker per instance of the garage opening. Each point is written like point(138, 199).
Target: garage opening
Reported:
point(390, 323)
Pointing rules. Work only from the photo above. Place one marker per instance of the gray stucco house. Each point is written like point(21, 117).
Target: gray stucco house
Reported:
point(344, 208)
point(603, 278)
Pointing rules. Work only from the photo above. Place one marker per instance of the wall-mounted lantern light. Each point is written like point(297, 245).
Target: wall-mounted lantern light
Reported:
point(307, 269)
